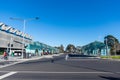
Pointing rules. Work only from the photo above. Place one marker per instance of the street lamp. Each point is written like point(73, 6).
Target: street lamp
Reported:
point(107, 47)
point(24, 26)
point(10, 43)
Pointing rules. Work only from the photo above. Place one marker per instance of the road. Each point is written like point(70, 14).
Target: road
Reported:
point(72, 69)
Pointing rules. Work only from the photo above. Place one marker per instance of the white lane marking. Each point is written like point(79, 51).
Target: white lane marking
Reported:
point(61, 72)
point(66, 72)
point(6, 75)
point(117, 72)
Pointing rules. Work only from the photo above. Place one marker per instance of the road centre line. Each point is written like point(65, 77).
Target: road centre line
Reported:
point(6, 75)
point(61, 72)
point(45, 72)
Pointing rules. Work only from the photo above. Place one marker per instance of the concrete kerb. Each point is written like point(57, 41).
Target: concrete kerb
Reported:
point(32, 58)
point(44, 56)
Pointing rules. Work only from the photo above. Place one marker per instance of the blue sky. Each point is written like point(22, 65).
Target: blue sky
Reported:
point(77, 22)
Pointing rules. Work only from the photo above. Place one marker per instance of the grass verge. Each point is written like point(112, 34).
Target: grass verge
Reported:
point(112, 57)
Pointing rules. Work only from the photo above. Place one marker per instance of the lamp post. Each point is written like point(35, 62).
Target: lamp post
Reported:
point(107, 47)
point(10, 44)
point(24, 26)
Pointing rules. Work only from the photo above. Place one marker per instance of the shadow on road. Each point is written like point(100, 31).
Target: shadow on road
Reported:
point(44, 60)
point(109, 78)
point(71, 64)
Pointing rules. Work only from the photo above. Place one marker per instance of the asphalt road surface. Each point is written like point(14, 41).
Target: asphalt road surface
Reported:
point(60, 69)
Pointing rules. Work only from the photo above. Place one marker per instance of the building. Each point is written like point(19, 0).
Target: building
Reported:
point(96, 48)
point(38, 48)
point(11, 39)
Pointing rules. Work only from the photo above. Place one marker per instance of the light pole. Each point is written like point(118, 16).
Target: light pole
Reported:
point(107, 47)
point(10, 43)
point(24, 26)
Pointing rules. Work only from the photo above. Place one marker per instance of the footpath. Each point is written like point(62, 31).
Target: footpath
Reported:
point(15, 60)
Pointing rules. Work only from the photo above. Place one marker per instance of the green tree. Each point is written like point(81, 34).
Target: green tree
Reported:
point(111, 42)
point(70, 48)
point(36, 51)
point(78, 49)
point(62, 48)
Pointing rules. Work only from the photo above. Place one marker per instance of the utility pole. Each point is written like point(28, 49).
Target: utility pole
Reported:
point(24, 26)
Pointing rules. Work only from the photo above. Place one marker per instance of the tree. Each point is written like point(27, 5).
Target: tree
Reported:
point(70, 48)
point(36, 51)
point(111, 42)
point(78, 49)
point(62, 48)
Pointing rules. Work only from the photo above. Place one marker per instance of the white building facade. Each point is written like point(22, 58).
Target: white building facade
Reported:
point(12, 39)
